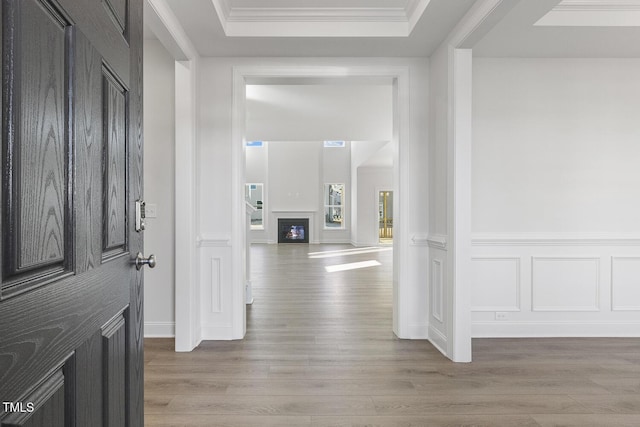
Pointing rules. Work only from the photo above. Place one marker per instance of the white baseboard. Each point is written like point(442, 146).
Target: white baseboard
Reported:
point(218, 333)
point(554, 329)
point(438, 340)
point(159, 329)
point(418, 331)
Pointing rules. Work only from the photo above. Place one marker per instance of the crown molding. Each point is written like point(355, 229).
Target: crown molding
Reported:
point(319, 21)
point(598, 5)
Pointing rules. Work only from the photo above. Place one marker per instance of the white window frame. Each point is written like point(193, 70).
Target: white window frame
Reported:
point(326, 206)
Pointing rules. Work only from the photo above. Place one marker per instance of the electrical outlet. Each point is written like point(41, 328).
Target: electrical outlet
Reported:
point(502, 315)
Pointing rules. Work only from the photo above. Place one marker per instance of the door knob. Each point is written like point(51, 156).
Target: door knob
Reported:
point(141, 261)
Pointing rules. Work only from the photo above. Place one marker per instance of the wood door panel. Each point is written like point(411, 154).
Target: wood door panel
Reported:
point(71, 171)
point(91, 17)
point(36, 191)
point(118, 10)
point(30, 346)
point(89, 152)
point(88, 379)
point(114, 362)
point(44, 407)
point(115, 156)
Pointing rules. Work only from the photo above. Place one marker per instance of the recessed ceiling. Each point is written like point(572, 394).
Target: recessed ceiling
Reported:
point(285, 28)
point(405, 28)
point(319, 18)
point(523, 32)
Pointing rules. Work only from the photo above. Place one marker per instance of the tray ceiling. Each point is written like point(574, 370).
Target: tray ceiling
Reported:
point(319, 18)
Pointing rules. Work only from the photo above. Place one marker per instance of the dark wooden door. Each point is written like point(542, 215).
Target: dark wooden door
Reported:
point(70, 295)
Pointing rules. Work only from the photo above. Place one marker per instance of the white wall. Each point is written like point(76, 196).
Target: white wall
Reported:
point(556, 197)
point(216, 177)
point(294, 174)
point(351, 112)
point(361, 151)
point(159, 187)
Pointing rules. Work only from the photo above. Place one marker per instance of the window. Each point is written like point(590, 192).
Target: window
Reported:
point(253, 195)
point(334, 144)
point(333, 205)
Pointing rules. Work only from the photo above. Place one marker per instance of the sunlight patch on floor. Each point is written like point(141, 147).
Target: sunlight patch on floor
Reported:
point(351, 266)
point(357, 251)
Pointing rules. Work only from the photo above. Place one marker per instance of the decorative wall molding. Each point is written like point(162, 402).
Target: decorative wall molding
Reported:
point(554, 239)
point(319, 20)
point(563, 280)
point(216, 285)
point(625, 283)
point(517, 283)
point(598, 5)
point(437, 241)
point(437, 290)
point(419, 240)
point(213, 240)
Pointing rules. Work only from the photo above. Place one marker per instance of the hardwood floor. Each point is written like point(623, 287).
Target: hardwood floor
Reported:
point(319, 352)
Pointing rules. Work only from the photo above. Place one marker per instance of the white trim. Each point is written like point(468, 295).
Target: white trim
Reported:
point(159, 329)
point(238, 223)
point(437, 241)
point(402, 114)
point(460, 206)
point(438, 339)
point(554, 328)
point(220, 333)
point(420, 240)
point(478, 21)
point(437, 284)
point(171, 34)
point(166, 27)
point(554, 239)
point(598, 5)
point(612, 281)
point(319, 21)
point(213, 240)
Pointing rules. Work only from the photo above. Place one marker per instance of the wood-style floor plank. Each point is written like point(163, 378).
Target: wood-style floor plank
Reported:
point(320, 351)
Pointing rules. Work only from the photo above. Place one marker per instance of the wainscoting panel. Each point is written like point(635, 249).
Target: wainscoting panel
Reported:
point(215, 289)
point(437, 290)
point(579, 285)
point(565, 284)
point(625, 283)
point(215, 285)
point(495, 284)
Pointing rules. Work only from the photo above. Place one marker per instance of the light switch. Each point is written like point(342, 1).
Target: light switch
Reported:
point(151, 210)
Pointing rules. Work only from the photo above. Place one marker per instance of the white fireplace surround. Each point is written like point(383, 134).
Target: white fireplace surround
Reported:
point(303, 214)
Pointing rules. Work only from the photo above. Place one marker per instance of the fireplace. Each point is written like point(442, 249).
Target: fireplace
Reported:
point(293, 230)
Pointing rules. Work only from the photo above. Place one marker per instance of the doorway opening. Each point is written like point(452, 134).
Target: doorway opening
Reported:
point(385, 215)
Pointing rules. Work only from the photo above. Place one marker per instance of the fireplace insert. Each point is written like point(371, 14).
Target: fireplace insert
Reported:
point(293, 230)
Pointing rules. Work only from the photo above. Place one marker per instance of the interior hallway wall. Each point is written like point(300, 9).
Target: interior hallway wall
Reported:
point(159, 188)
point(556, 197)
